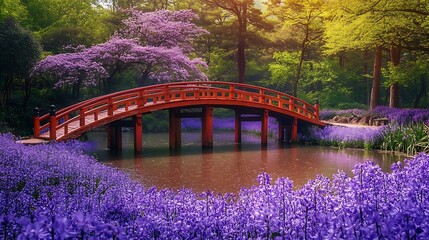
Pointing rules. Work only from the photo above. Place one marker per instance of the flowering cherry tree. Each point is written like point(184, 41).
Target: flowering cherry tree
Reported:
point(162, 28)
point(154, 43)
point(158, 63)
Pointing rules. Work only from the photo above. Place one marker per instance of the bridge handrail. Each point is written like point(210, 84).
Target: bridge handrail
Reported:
point(236, 91)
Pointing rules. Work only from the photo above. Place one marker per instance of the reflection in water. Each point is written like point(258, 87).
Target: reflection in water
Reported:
point(228, 166)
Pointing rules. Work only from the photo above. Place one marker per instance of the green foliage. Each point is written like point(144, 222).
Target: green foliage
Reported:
point(13, 9)
point(222, 65)
point(408, 71)
point(335, 87)
point(410, 139)
point(155, 122)
point(19, 50)
point(55, 39)
point(283, 70)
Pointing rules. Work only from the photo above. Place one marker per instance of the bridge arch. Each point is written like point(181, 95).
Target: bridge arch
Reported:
point(72, 121)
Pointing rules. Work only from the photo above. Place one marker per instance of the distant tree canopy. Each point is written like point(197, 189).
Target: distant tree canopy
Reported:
point(346, 53)
point(19, 51)
point(154, 44)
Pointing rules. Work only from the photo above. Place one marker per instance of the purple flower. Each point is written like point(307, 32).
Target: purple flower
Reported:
point(57, 192)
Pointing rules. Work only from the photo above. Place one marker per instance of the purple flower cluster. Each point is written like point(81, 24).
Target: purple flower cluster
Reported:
point(348, 137)
point(395, 115)
point(55, 191)
point(403, 116)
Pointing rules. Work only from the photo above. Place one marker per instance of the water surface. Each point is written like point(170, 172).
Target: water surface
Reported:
point(228, 166)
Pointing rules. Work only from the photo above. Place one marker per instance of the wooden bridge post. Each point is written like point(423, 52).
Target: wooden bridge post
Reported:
point(237, 126)
point(114, 136)
point(264, 128)
point(82, 117)
point(317, 108)
point(294, 131)
point(175, 128)
point(36, 122)
point(207, 127)
point(138, 132)
point(52, 124)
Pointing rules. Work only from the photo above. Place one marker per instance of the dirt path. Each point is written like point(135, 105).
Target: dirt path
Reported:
point(350, 125)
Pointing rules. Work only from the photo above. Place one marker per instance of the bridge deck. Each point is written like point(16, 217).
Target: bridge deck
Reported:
point(72, 121)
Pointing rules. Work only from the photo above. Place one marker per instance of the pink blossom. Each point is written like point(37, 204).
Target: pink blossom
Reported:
point(162, 28)
point(155, 43)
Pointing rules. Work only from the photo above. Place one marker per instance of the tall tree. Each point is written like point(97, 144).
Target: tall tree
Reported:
point(300, 21)
point(244, 12)
point(362, 24)
point(376, 80)
point(69, 22)
point(19, 51)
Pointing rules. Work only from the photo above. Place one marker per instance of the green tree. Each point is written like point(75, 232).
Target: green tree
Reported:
point(19, 51)
point(243, 13)
point(366, 24)
point(412, 74)
point(59, 23)
point(299, 22)
point(13, 9)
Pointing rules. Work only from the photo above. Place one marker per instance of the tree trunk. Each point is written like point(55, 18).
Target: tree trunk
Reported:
point(301, 60)
point(395, 57)
point(341, 60)
point(241, 58)
point(375, 91)
point(144, 77)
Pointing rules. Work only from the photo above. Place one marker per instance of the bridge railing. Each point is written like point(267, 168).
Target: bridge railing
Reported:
point(58, 124)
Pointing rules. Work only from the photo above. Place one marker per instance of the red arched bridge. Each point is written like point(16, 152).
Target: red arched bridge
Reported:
point(251, 103)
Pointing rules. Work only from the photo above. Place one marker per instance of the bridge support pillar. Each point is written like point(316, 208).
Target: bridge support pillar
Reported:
point(52, 124)
point(114, 136)
point(138, 132)
point(264, 128)
point(175, 128)
point(207, 127)
point(237, 126)
point(294, 131)
point(288, 130)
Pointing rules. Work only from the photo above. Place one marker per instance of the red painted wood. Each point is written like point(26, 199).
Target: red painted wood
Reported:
point(52, 128)
point(294, 133)
point(237, 126)
point(138, 133)
point(36, 126)
point(207, 127)
point(105, 109)
point(264, 128)
point(175, 129)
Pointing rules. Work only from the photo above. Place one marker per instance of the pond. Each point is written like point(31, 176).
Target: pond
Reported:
point(228, 166)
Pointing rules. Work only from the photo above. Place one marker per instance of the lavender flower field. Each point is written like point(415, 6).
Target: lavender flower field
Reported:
point(402, 116)
point(395, 115)
point(407, 132)
point(56, 191)
point(342, 137)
